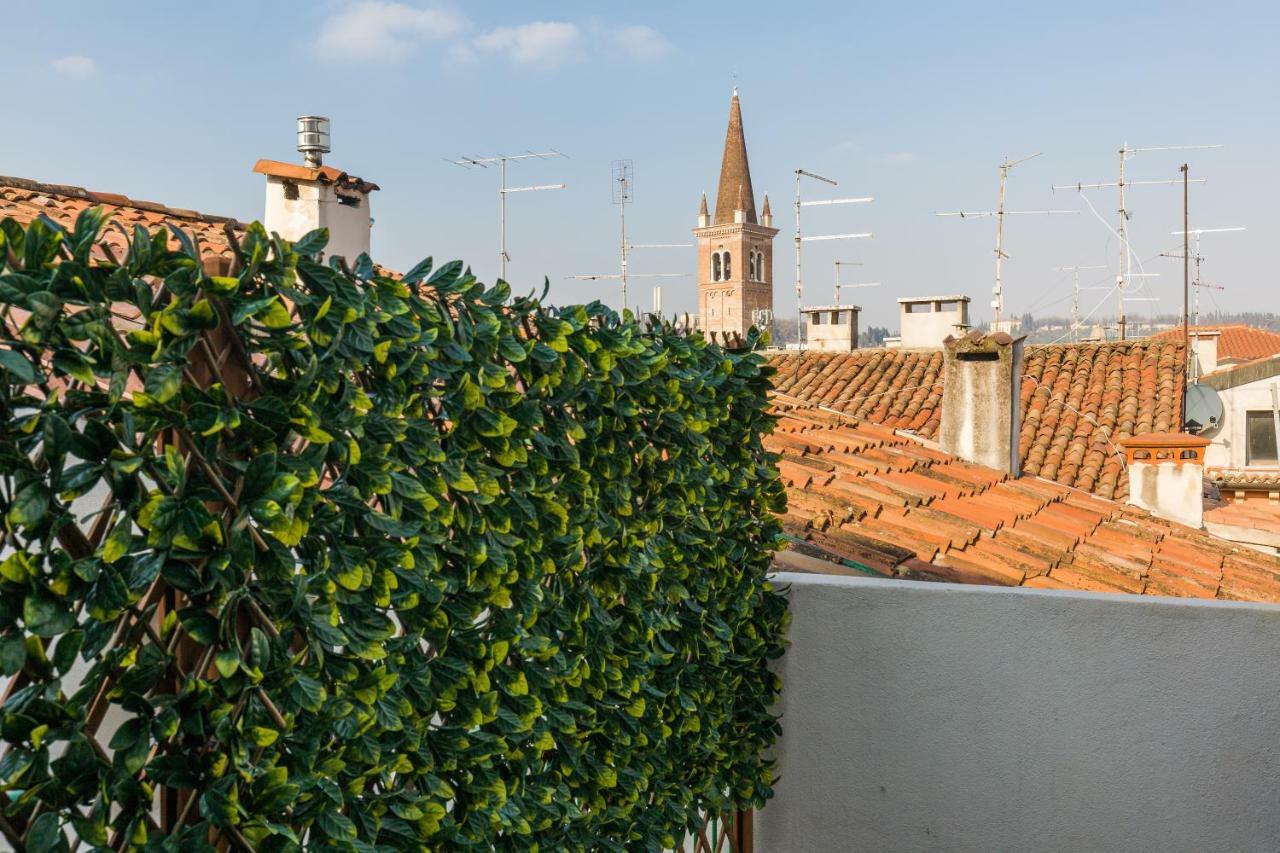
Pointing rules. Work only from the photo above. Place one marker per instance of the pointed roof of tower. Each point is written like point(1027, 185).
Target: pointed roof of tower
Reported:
point(702, 211)
point(735, 174)
point(766, 211)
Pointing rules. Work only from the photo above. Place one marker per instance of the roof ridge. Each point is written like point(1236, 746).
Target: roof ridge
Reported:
point(114, 199)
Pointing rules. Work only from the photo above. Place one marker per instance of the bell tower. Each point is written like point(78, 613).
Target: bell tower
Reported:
point(735, 248)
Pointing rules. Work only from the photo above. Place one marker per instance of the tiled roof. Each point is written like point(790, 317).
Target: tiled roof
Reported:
point(25, 200)
point(870, 498)
point(1078, 400)
point(1244, 478)
point(1258, 515)
point(1236, 341)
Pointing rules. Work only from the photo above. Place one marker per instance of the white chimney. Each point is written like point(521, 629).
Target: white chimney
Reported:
point(925, 321)
point(831, 328)
point(302, 198)
point(981, 399)
point(1166, 475)
point(1204, 349)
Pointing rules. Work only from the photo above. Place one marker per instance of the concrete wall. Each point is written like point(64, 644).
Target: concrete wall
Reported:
point(939, 717)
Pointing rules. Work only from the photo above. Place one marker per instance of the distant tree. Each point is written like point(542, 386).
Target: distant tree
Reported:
point(873, 336)
point(1028, 322)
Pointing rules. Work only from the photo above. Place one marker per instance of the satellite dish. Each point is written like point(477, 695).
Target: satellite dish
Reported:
point(1204, 408)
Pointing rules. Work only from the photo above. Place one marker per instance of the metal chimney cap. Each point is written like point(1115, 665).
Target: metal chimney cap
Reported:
point(313, 139)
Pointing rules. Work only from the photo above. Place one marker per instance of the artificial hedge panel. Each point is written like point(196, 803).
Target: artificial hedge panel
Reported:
point(382, 564)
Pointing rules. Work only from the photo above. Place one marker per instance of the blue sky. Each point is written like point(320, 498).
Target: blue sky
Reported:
point(915, 104)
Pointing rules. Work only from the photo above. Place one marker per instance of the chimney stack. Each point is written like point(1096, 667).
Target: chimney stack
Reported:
point(981, 399)
point(1204, 349)
point(1166, 475)
point(302, 198)
point(925, 321)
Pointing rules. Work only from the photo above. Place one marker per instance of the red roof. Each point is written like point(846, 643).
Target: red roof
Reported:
point(864, 497)
point(1078, 400)
point(1236, 341)
point(25, 200)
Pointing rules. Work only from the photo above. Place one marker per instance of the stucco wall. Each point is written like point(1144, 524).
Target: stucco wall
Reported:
point(1230, 441)
point(938, 717)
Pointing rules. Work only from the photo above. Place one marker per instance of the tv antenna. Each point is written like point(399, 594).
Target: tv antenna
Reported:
point(840, 286)
point(1075, 298)
point(997, 292)
point(1122, 233)
point(801, 240)
point(624, 192)
point(504, 190)
point(1197, 283)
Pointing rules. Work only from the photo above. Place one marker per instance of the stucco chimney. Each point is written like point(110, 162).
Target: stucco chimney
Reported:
point(302, 198)
point(1204, 348)
point(925, 321)
point(981, 400)
point(1166, 474)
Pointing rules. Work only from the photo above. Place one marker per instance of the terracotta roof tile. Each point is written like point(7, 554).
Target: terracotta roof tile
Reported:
point(865, 497)
point(24, 201)
point(1077, 400)
point(1236, 341)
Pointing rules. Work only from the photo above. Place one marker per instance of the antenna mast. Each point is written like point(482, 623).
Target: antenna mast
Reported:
point(997, 301)
point(623, 192)
point(800, 240)
point(1075, 298)
point(504, 190)
point(1126, 255)
point(1194, 256)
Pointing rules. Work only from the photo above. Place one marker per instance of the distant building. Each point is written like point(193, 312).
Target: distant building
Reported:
point(735, 248)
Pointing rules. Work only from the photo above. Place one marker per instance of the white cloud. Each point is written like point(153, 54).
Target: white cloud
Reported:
point(641, 42)
point(75, 66)
point(546, 43)
point(380, 29)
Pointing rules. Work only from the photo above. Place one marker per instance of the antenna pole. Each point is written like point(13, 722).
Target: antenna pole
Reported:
point(502, 220)
point(1186, 266)
point(1124, 249)
point(799, 286)
point(1198, 259)
point(503, 190)
point(622, 219)
point(999, 300)
point(1075, 306)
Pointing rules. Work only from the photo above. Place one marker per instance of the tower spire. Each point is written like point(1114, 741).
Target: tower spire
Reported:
point(735, 174)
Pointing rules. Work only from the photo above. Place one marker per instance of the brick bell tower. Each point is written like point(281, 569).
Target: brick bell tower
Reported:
point(735, 249)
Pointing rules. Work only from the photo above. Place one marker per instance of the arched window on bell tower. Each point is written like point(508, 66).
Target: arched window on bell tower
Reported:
point(752, 267)
point(728, 272)
point(715, 266)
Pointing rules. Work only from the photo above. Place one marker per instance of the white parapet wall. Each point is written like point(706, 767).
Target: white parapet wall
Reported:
point(941, 717)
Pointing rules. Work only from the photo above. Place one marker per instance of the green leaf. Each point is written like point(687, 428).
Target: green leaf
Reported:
point(29, 505)
point(17, 366)
point(164, 383)
point(13, 654)
point(118, 541)
point(227, 662)
point(45, 615)
point(46, 834)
